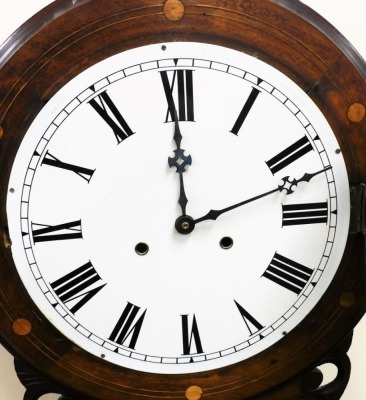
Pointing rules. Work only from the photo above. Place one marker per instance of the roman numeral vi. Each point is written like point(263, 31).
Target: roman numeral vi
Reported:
point(190, 336)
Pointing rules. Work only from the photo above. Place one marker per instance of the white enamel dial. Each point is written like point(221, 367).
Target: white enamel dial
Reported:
point(93, 204)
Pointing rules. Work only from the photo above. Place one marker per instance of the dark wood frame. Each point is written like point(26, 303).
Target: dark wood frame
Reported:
point(64, 39)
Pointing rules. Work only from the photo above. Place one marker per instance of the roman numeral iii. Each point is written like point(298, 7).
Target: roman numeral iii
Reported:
point(128, 326)
point(78, 286)
point(179, 94)
point(302, 214)
point(289, 155)
point(105, 107)
point(47, 233)
point(288, 273)
point(191, 336)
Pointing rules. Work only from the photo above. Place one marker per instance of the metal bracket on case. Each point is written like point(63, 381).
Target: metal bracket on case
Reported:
point(358, 209)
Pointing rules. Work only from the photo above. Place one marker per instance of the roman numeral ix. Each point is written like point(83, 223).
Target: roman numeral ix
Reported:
point(178, 92)
point(288, 273)
point(76, 287)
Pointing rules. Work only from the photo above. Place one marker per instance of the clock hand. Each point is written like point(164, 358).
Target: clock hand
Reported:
point(305, 178)
point(287, 186)
point(214, 214)
point(180, 161)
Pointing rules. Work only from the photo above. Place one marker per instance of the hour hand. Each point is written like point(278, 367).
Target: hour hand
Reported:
point(177, 134)
point(180, 161)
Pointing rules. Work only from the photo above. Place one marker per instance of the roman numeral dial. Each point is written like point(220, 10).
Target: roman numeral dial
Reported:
point(108, 242)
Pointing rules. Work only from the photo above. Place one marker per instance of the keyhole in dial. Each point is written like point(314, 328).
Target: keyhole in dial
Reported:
point(142, 249)
point(226, 243)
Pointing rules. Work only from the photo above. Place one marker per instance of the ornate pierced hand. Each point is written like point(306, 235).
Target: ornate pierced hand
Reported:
point(287, 186)
point(180, 161)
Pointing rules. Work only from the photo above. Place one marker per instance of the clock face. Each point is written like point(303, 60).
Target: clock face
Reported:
point(133, 276)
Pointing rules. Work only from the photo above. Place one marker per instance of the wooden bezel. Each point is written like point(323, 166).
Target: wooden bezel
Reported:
point(63, 40)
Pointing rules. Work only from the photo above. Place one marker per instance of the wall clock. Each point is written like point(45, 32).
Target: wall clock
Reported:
point(182, 199)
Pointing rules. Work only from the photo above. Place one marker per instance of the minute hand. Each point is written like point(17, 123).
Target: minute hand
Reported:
point(286, 187)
